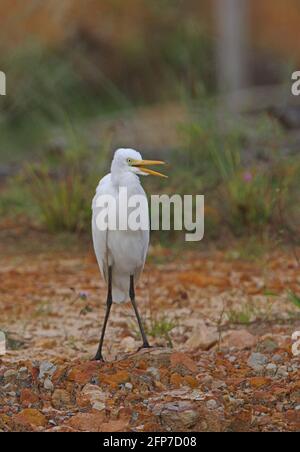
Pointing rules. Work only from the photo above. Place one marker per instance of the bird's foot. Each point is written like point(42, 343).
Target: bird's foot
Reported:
point(98, 357)
point(145, 345)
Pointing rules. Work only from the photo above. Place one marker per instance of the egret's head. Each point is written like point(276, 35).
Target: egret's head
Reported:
point(129, 160)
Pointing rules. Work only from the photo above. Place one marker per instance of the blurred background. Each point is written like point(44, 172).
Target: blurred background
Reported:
point(203, 84)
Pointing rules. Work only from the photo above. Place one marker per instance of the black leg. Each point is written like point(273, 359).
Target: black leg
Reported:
point(132, 298)
point(99, 356)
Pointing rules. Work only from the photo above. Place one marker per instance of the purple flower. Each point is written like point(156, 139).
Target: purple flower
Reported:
point(247, 176)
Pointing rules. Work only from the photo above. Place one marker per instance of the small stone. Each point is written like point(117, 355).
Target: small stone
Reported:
point(277, 358)
point(10, 375)
point(258, 382)
point(211, 404)
point(99, 406)
point(257, 361)
point(279, 407)
point(154, 371)
point(182, 360)
point(218, 384)
point(232, 359)
point(239, 339)
point(282, 372)
point(61, 399)
point(61, 429)
point(271, 369)
point(84, 373)
point(204, 338)
point(295, 396)
point(207, 380)
point(179, 413)
point(113, 380)
point(268, 345)
point(28, 397)
point(23, 373)
point(11, 394)
point(87, 422)
point(48, 385)
point(94, 396)
point(29, 418)
point(297, 408)
point(128, 386)
point(46, 368)
point(128, 343)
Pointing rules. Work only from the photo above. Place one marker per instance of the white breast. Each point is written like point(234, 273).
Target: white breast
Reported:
point(126, 250)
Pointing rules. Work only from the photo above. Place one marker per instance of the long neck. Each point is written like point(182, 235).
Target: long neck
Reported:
point(121, 178)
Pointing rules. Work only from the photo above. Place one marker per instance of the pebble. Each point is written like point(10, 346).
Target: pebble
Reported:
point(257, 361)
point(277, 358)
point(128, 343)
point(240, 339)
point(279, 406)
point(218, 384)
point(99, 406)
point(232, 359)
point(271, 370)
point(48, 385)
point(155, 372)
point(23, 373)
point(282, 371)
point(128, 386)
point(11, 394)
point(46, 368)
point(207, 379)
point(61, 399)
point(211, 404)
point(268, 345)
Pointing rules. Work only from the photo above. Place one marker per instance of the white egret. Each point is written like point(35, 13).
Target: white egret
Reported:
point(121, 254)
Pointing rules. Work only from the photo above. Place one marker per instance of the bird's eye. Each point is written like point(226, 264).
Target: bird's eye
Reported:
point(129, 161)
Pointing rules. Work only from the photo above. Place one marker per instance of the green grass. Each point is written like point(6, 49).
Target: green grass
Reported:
point(15, 200)
point(161, 328)
point(62, 194)
point(294, 298)
point(157, 327)
point(243, 316)
point(222, 159)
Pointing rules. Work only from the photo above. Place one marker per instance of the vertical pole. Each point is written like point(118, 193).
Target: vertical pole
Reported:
point(232, 44)
point(2, 84)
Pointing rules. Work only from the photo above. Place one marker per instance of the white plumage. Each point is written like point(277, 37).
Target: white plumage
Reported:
point(125, 251)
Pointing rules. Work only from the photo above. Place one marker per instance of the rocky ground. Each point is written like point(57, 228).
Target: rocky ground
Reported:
point(221, 327)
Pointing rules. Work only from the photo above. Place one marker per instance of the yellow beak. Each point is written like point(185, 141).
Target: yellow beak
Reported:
point(142, 163)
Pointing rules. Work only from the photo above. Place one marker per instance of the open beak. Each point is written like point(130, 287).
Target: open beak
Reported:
point(143, 163)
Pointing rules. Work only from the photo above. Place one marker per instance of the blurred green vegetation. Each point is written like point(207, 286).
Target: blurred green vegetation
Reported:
point(85, 78)
point(251, 188)
point(245, 198)
point(294, 298)
point(45, 94)
point(60, 187)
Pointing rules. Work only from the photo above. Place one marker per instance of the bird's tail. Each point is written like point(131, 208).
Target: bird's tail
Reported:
point(119, 295)
point(120, 288)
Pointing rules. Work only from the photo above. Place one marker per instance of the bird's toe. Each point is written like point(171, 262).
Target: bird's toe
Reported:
point(98, 358)
point(144, 346)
